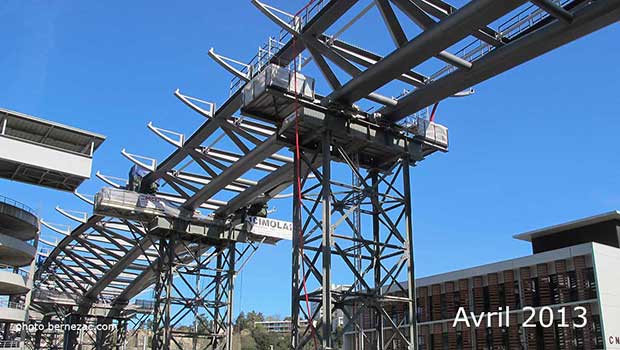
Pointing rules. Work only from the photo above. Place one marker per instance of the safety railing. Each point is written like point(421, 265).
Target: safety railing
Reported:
point(273, 45)
point(515, 25)
point(14, 203)
point(49, 294)
point(144, 304)
point(11, 305)
point(10, 344)
point(12, 269)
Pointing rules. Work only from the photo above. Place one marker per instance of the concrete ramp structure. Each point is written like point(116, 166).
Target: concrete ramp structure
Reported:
point(19, 228)
point(45, 153)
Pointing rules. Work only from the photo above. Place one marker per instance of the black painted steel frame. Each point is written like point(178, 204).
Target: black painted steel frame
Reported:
point(374, 257)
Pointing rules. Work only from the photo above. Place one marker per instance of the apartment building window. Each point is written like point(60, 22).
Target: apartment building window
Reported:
point(443, 302)
point(487, 299)
point(517, 293)
point(421, 342)
point(505, 339)
point(395, 315)
point(488, 341)
point(430, 308)
point(597, 332)
point(456, 299)
point(445, 342)
point(535, 292)
point(560, 341)
point(578, 339)
point(501, 291)
point(459, 340)
point(554, 288)
point(590, 283)
point(419, 310)
point(571, 284)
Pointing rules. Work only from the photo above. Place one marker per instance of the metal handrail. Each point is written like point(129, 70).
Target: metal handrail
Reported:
point(273, 45)
point(512, 27)
point(20, 205)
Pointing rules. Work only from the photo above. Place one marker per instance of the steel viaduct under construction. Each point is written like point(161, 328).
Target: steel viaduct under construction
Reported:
point(185, 225)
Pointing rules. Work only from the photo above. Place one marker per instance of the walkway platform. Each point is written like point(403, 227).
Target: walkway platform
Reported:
point(45, 153)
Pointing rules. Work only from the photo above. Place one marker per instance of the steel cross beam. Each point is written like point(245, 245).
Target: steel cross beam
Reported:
point(451, 30)
point(328, 16)
point(587, 19)
point(247, 162)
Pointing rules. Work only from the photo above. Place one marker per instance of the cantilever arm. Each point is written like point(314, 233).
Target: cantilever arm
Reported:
point(136, 160)
point(269, 12)
point(83, 197)
point(189, 102)
point(109, 181)
point(224, 62)
point(68, 214)
point(163, 134)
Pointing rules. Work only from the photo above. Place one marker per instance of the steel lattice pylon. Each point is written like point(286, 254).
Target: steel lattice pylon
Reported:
point(374, 249)
point(195, 282)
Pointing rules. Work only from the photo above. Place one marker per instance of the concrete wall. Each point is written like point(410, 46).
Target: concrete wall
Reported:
point(607, 265)
point(18, 151)
point(12, 315)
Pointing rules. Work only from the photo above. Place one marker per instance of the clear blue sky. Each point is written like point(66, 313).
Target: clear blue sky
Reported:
point(533, 147)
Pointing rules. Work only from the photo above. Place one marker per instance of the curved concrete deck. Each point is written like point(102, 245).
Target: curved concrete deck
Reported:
point(15, 252)
point(12, 283)
point(17, 221)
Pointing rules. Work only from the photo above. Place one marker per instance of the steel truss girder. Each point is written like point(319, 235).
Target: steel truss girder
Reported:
point(328, 16)
point(365, 228)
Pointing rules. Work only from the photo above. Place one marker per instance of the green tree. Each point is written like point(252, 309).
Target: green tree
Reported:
point(264, 340)
point(247, 321)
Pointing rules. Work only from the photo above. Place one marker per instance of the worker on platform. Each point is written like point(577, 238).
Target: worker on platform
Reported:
point(138, 183)
point(258, 209)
